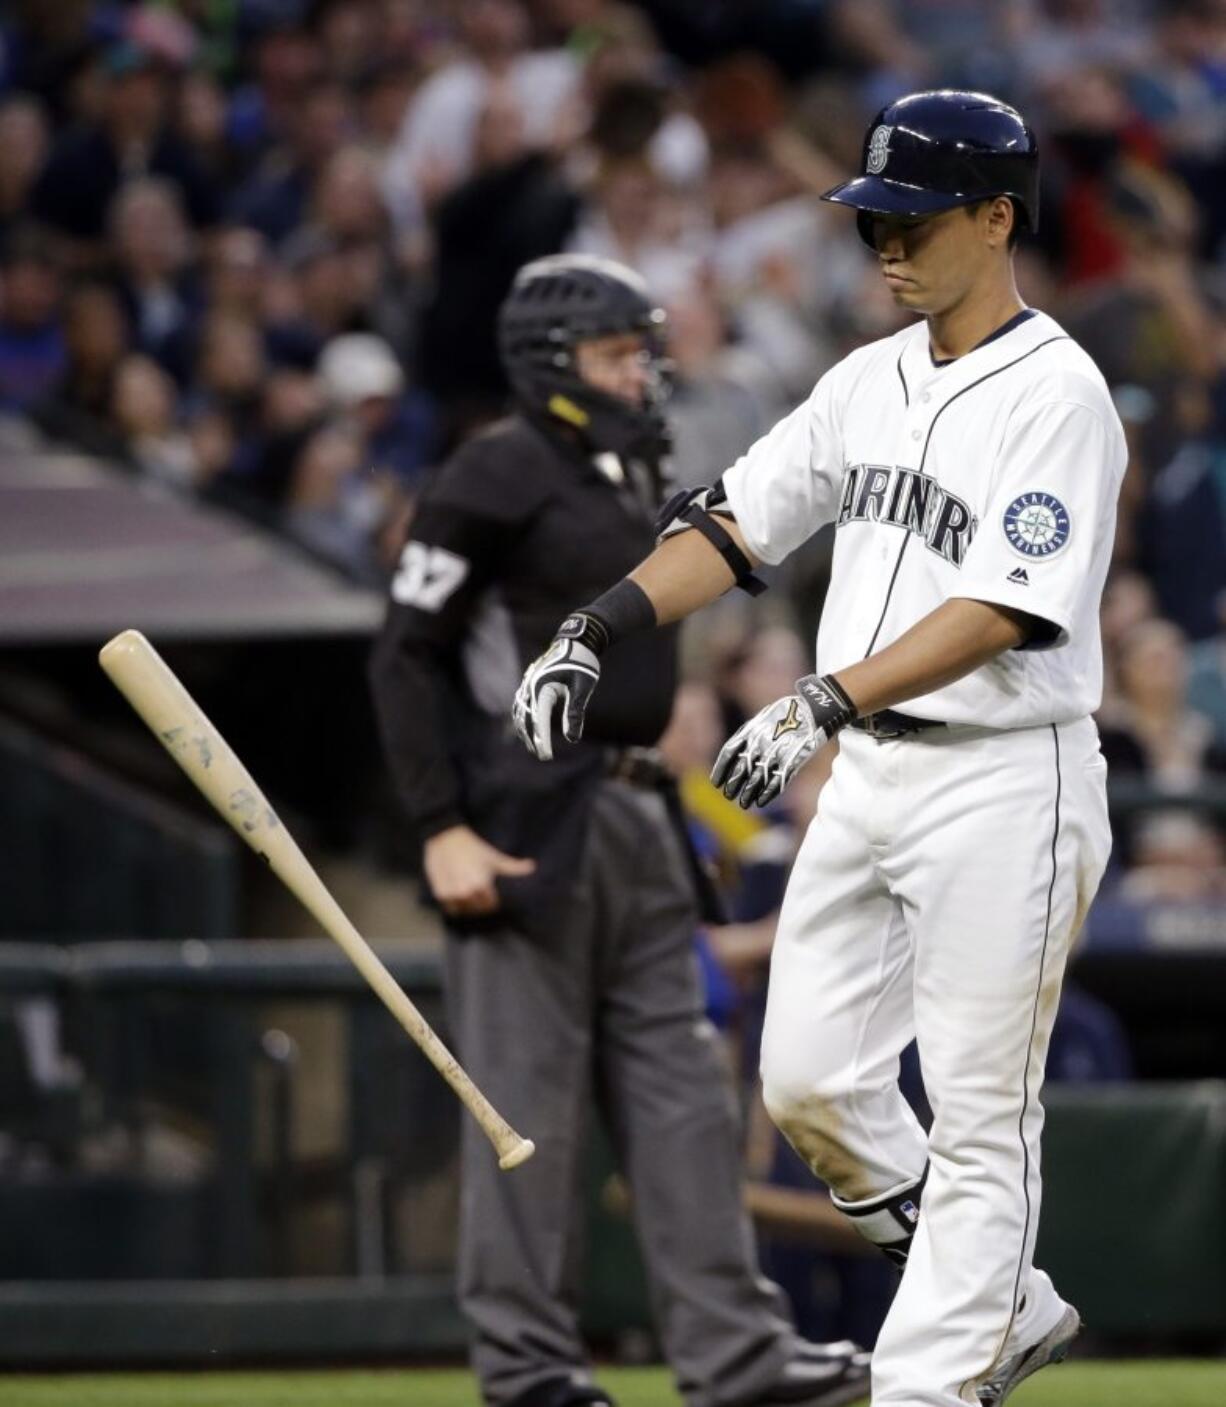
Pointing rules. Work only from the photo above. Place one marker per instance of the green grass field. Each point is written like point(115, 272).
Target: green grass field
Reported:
point(1140, 1384)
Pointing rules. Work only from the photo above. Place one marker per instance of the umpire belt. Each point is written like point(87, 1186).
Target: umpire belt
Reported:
point(888, 723)
point(637, 767)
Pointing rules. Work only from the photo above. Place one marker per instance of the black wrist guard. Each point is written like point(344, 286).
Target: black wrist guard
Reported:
point(622, 610)
point(693, 508)
point(828, 701)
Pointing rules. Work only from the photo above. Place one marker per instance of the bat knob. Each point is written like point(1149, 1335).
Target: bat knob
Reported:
point(522, 1151)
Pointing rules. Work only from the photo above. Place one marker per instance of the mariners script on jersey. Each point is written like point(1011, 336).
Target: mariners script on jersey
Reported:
point(994, 477)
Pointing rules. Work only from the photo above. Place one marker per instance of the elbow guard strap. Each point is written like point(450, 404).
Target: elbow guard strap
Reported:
point(690, 508)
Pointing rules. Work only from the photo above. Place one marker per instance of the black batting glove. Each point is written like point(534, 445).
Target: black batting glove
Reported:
point(560, 681)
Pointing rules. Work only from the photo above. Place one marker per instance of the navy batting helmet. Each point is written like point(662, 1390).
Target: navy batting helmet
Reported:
point(931, 151)
point(562, 300)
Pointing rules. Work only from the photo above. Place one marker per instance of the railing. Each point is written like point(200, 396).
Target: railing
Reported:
point(87, 854)
point(256, 1157)
point(252, 1161)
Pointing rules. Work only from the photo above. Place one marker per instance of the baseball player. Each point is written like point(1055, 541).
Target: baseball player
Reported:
point(971, 465)
point(569, 904)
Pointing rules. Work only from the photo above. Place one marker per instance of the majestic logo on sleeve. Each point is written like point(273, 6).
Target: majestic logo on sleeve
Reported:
point(878, 151)
point(907, 499)
point(1036, 524)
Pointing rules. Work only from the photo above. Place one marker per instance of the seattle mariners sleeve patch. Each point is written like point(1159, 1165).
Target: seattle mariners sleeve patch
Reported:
point(1036, 524)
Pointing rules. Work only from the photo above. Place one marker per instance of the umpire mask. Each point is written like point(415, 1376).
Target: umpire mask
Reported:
point(555, 304)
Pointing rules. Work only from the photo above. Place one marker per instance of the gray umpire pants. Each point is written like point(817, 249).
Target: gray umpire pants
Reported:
point(608, 1012)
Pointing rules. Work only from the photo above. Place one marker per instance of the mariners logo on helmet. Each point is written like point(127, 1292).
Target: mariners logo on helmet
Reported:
point(878, 151)
point(1036, 524)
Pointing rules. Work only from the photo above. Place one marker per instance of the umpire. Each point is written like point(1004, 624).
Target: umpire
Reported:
point(568, 891)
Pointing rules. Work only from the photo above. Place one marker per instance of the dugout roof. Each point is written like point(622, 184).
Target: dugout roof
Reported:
point(87, 550)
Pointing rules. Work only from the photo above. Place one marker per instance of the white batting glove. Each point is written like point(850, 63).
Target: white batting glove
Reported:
point(562, 679)
point(763, 755)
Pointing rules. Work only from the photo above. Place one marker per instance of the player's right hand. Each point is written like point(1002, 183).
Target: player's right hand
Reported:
point(559, 682)
point(462, 868)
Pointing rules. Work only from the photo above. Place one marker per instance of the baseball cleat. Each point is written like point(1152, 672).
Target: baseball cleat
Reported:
point(563, 1392)
point(822, 1375)
point(1053, 1347)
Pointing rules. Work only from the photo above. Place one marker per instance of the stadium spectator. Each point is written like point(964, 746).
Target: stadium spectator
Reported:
point(201, 121)
point(1091, 128)
point(366, 388)
point(1150, 729)
point(235, 269)
point(77, 408)
point(337, 508)
point(24, 140)
point(763, 260)
point(628, 81)
point(157, 29)
point(1177, 856)
point(347, 207)
point(252, 473)
point(155, 274)
point(130, 138)
point(1182, 535)
point(630, 219)
point(346, 201)
point(350, 38)
point(1149, 323)
point(1053, 38)
point(230, 376)
point(1128, 599)
point(44, 47)
point(1207, 679)
point(263, 112)
point(753, 675)
point(640, 115)
point(32, 351)
point(383, 96)
point(143, 410)
point(721, 398)
point(438, 141)
point(328, 293)
point(1179, 89)
point(515, 206)
point(276, 197)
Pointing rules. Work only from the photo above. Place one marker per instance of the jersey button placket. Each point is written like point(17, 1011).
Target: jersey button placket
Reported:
point(919, 422)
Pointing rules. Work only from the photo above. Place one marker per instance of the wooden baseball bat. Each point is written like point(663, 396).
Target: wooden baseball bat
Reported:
point(150, 686)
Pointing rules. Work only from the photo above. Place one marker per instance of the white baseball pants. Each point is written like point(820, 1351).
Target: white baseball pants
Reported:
point(936, 895)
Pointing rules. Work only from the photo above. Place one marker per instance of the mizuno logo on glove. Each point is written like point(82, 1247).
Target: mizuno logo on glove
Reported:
point(791, 722)
point(763, 755)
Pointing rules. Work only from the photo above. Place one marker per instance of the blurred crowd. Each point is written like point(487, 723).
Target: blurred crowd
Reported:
point(253, 249)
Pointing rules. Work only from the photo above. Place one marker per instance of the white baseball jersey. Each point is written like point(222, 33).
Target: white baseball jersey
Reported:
point(993, 476)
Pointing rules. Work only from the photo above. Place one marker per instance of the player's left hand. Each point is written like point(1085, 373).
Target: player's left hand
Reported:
point(561, 680)
point(763, 755)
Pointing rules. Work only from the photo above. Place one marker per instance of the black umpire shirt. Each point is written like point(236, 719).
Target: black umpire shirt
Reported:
point(518, 528)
